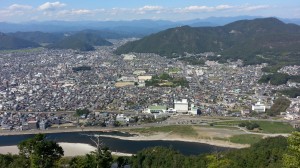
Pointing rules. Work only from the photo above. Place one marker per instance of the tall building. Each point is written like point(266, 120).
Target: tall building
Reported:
point(181, 106)
point(258, 107)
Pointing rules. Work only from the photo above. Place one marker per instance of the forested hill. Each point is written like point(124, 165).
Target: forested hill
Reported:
point(11, 43)
point(83, 41)
point(243, 39)
point(38, 37)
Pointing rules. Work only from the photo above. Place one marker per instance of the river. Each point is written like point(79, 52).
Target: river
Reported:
point(117, 145)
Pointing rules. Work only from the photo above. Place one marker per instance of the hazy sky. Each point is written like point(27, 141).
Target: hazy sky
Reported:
point(41, 10)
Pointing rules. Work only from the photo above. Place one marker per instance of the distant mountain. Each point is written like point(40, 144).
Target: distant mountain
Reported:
point(107, 34)
point(132, 28)
point(11, 43)
point(38, 37)
point(238, 40)
point(83, 41)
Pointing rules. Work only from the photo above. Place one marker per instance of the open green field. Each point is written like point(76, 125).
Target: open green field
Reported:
point(182, 130)
point(266, 126)
point(245, 138)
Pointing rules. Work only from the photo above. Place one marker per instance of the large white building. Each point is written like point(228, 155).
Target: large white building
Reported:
point(258, 107)
point(181, 106)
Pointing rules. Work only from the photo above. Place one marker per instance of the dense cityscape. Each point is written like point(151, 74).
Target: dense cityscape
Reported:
point(45, 80)
point(149, 84)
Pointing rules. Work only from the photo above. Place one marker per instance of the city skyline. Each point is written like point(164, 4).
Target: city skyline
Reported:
point(67, 10)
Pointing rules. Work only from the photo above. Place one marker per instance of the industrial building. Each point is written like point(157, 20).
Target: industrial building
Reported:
point(181, 106)
point(259, 107)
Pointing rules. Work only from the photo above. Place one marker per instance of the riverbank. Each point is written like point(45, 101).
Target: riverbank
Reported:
point(140, 137)
point(70, 149)
point(171, 137)
point(55, 130)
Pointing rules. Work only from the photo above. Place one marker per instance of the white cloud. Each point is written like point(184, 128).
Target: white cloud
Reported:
point(252, 8)
point(76, 12)
point(15, 10)
point(204, 8)
point(197, 9)
point(51, 6)
point(150, 8)
point(194, 9)
point(223, 7)
point(81, 11)
point(19, 7)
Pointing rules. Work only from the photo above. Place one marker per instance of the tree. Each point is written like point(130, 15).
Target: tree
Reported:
point(292, 158)
point(122, 161)
point(80, 112)
point(102, 155)
point(12, 161)
point(42, 153)
point(218, 162)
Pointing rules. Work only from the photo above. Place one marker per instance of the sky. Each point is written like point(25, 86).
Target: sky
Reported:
point(175, 10)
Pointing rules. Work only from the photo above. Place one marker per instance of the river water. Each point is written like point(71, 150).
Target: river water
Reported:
point(117, 145)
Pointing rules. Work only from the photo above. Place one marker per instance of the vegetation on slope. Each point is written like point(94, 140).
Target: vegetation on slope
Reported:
point(291, 92)
point(39, 37)
point(253, 41)
point(81, 41)
point(12, 43)
point(279, 78)
point(280, 105)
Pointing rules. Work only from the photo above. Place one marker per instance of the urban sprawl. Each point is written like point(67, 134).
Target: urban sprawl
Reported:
point(61, 81)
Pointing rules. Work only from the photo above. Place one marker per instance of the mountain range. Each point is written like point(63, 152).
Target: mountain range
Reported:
point(245, 39)
point(251, 40)
point(84, 40)
point(136, 28)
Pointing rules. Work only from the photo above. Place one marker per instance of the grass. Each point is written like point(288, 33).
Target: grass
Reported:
point(266, 126)
point(182, 130)
point(245, 138)
point(224, 127)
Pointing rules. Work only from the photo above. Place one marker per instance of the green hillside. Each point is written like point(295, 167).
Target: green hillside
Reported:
point(12, 43)
point(253, 41)
point(81, 41)
point(38, 37)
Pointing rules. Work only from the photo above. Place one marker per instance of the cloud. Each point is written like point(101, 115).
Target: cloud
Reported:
point(76, 12)
point(51, 6)
point(19, 7)
point(204, 8)
point(252, 8)
point(150, 8)
point(223, 7)
point(15, 10)
point(219, 8)
point(81, 11)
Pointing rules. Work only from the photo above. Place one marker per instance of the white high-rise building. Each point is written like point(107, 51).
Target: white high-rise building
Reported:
point(258, 107)
point(181, 106)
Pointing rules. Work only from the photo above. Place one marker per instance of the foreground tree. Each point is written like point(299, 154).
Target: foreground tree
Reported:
point(42, 153)
point(102, 154)
point(292, 158)
point(215, 161)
